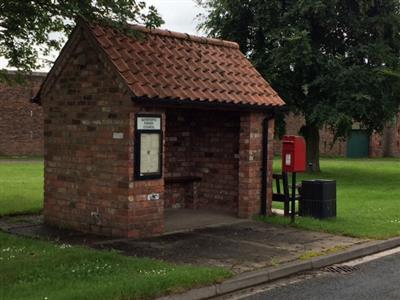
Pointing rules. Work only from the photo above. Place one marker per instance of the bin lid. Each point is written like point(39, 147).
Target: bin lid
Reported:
point(319, 180)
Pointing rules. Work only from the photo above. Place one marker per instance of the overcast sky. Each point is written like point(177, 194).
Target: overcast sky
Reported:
point(179, 15)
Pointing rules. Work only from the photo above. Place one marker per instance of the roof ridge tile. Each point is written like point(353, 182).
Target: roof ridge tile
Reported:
point(185, 36)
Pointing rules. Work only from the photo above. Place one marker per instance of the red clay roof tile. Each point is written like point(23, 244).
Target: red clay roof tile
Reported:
point(169, 65)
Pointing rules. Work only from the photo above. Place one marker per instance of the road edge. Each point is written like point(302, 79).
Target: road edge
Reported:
point(254, 278)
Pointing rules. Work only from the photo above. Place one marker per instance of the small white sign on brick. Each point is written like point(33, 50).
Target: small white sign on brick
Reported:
point(153, 197)
point(118, 135)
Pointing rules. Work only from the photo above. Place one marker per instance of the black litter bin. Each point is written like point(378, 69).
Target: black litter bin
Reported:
point(318, 198)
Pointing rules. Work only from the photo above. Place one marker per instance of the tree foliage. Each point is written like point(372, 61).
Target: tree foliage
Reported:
point(334, 61)
point(28, 28)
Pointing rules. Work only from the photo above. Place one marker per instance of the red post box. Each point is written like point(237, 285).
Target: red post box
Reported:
point(293, 154)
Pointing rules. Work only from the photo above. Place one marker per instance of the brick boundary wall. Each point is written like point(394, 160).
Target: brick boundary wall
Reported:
point(326, 145)
point(385, 144)
point(21, 122)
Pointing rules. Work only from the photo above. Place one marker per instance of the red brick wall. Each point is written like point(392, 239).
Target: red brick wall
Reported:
point(178, 156)
point(224, 149)
point(271, 145)
point(88, 174)
point(21, 122)
point(216, 154)
point(146, 217)
point(387, 143)
point(89, 184)
point(250, 163)
point(204, 144)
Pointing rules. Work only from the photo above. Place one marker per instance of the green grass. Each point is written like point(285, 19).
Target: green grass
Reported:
point(20, 158)
point(32, 269)
point(368, 198)
point(21, 186)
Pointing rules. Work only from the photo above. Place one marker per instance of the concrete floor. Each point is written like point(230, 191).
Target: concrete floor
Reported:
point(179, 220)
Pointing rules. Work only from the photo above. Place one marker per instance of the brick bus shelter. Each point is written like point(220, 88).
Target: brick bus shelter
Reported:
point(138, 123)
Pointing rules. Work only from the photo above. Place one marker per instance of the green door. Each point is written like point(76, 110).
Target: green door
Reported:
point(358, 144)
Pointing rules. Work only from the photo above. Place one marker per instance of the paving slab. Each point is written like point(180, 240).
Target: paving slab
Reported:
point(183, 219)
point(240, 246)
point(32, 226)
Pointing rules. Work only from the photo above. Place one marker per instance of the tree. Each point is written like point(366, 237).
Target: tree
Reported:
point(28, 28)
point(334, 61)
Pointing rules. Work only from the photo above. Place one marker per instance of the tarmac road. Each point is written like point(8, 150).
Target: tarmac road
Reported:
point(377, 279)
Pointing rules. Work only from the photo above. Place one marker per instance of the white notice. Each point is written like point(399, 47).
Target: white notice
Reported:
point(288, 159)
point(149, 123)
point(149, 153)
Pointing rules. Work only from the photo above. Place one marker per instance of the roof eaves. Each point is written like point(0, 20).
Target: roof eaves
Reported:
point(207, 104)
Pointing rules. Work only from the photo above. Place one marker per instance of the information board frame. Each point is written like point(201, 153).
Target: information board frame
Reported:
point(138, 144)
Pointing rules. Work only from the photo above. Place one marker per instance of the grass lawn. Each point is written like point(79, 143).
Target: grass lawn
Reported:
point(32, 269)
point(21, 186)
point(368, 206)
point(368, 198)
